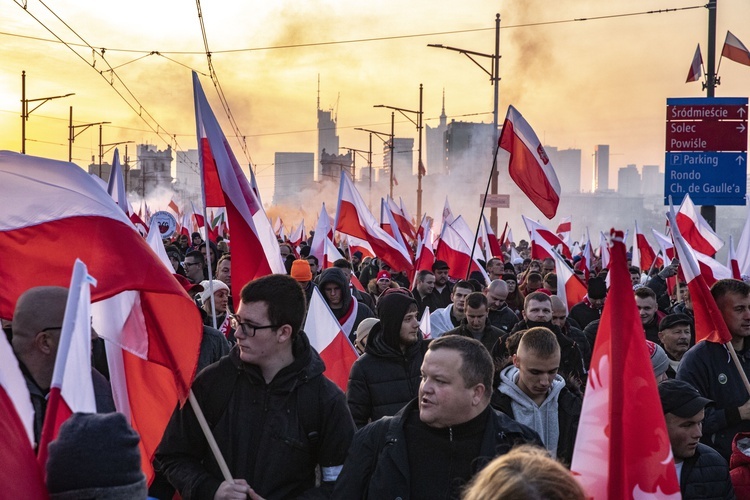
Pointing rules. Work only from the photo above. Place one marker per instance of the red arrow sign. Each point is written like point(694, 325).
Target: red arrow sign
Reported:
point(706, 136)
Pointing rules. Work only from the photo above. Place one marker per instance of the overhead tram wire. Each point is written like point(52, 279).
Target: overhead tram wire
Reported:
point(153, 125)
point(374, 39)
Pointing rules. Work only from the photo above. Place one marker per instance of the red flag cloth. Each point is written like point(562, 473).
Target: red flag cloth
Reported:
point(353, 218)
point(529, 165)
point(735, 50)
point(696, 231)
point(539, 232)
point(492, 240)
point(709, 323)
point(255, 249)
point(456, 252)
point(564, 228)
point(53, 204)
point(71, 390)
point(20, 475)
point(327, 337)
point(622, 449)
point(732, 262)
point(425, 255)
point(643, 254)
point(696, 67)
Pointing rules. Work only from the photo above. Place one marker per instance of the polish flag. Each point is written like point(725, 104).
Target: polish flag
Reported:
point(622, 449)
point(514, 255)
point(356, 283)
point(425, 257)
point(174, 207)
point(408, 218)
point(732, 262)
point(356, 244)
point(604, 255)
point(696, 231)
point(255, 248)
point(456, 252)
point(492, 244)
point(330, 255)
point(185, 226)
point(399, 217)
point(696, 67)
point(467, 234)
point(447, 213)
point(277, 225)
point(643, 254)
point(529, 166)
point(709, 322)
point(711, 269)
point(322, 230)
point(743, 247)
point(327, 337)
point(71, 390)
point(297, 236)
point(53, 203)
point(116, 189)
point(734, 49)
point(20, 474)
point(353, 218)
point(538, 232)
point(564, 228)
point(388, 221)
point(586, 257)
point(665, 243)
point(424, 324)
point(501, 239)
point(570, 288)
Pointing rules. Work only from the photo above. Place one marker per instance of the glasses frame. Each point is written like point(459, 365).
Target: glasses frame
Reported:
point(235, 322)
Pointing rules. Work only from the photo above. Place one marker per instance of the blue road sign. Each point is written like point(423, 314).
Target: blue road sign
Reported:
point(711, 178)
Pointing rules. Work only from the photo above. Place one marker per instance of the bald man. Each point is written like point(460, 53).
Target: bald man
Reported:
point(500, 314)
point(36, 327)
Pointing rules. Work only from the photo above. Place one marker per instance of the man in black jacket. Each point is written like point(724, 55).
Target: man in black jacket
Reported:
point(476, 323)
point(387, 376)
point(439, 441)
point(702, 472)
point(274, 415)
point(500, 314)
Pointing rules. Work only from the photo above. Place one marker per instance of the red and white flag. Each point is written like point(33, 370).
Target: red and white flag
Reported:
point(322, 231)
point(622, 449)
point(71, 390)
point(456, 253)
point(643, 255)
point(529, 166)
point(564, 228)
point(709, 322)
point(53, 203)
point(447, 213)
point(255, 249)
point(387, 220)
point(665, 243)
point(356, 244)
point(732, 262)
point(174, 207)
point(604, 255)
point(537, 233)
point(570, 288)
point(696, 67)
point(696, 230)
point(297, 236)
point(734, 49)
point(400, 218)
point(20, 473)
point(407, 218)
point(492, 245)
point(424, 324)
point(116, 189)
point(353, 218)
point(327, 337)
point(425, 257)
point(711, 269)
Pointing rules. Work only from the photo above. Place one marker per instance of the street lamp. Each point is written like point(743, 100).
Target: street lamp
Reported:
point(72, 134)
point(494, 74)
point(389, 141)
point(418, 124)
point(25, 111)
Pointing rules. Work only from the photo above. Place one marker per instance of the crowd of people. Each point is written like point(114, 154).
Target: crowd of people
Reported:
point(486, 407)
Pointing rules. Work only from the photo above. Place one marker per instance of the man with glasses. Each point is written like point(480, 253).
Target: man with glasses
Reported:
point(500, 315)
point(194, 264)
point(274, 415)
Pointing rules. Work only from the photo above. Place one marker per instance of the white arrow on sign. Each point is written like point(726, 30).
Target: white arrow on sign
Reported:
point(741, 111)
point(740, 160)
point(740, 127)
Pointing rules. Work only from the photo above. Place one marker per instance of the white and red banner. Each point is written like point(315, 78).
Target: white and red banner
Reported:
point(255, 249)
point(425, 257)
point(424, 324)
point(537, 233)
point(492, 243)
point(71, 390)
point(696, 66)
point(529, 166)
point(322, 231)
point(353, 218)
point(564, 228)
point(622, 449)
point(696, 230)
point(735, 50)
point(327, 337)
point(570, 288)
point(732, 262)
point(643, 255)
point(454, 250)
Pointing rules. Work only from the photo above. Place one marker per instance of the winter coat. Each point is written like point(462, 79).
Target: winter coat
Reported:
point(584, 314)
point(504, 319)
point(490, 334)
point(337, 276)
point(377, 466)
point(272, 435)
point(739, 465)
point(705, 475)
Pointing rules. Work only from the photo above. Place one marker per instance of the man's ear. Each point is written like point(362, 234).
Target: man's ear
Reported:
point(516, 361)
point(478, 393)
point(284, 333)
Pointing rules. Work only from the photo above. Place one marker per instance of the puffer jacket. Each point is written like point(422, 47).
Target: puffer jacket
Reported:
point(705, 475)
point(739, 465)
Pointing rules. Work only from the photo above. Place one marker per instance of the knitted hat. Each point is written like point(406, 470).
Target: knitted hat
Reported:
point(384, 275)
point(218, 285)
point(659, 359)
point(363, 330)
point(301, 270)
point(510, 277)
point(392, 308)
point(95, 455)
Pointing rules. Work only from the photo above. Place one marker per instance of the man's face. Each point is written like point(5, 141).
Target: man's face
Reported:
point(194, 269)
point(184, 241)
point(735, 309)
point(355, 261)
point(533, 286)
point(313, 267)
point(444, 399)
point(676, 340)
point(476, 318)
point(539, 311)
point(197, 241)
point(635, 278)
point(333, 295)
point(497, 297)
point(535, 373)
point(459, 299)
point(646, 308)
point(684, 434)
point(427, 286)
point(548, 267)
point(224, 272)
point(559, 315)
point(597, 303)
point(409, 329)
point(264, 345)
point(284, 251)
point(441, 277)
point(496, 268)
point(535, 266)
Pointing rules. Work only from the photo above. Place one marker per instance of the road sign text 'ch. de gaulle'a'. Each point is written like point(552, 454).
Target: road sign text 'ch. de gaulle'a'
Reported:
point(706, 150)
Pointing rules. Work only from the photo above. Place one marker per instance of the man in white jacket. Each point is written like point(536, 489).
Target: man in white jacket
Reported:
point(448, 318)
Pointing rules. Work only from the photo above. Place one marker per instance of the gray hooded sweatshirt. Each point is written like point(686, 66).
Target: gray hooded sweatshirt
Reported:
point(543, 418)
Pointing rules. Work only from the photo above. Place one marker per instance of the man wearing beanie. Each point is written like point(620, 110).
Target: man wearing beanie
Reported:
point(590, 308)
point(303, 274)
point(387, 376)
point(95, 456)
point(334, 285)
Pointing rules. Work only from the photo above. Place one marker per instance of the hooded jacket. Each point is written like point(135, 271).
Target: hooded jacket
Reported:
point(261, 429)
point(338, 277)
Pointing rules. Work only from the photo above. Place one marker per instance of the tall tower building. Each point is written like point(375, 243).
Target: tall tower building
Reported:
point(567, 164)
point(601, 168)
point(629, 181)
point(653, 181)
point(436, 146)
point(403, 158)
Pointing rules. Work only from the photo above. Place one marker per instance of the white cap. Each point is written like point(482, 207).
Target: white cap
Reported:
point(218, 285)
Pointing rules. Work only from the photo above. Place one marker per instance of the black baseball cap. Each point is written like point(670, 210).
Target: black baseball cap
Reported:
point(675, 319)
point(440, 264)
point(681, 399)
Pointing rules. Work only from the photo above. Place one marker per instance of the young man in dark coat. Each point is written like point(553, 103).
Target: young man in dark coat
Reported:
point(387, 375)
point(334, 285)
point(274, 415)
point(476, 324)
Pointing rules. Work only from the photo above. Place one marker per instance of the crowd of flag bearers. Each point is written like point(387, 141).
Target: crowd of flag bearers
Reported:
point(374, 359)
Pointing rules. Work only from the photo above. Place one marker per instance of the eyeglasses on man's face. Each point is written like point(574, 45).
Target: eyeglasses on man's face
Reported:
point(247, 329)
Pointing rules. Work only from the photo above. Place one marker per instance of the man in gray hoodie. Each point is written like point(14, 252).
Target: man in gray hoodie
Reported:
point(534, 394)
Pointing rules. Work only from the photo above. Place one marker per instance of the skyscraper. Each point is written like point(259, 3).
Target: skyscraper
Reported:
point(601, 168)
point(436, 145)
point(567, 164)
point(629, 181)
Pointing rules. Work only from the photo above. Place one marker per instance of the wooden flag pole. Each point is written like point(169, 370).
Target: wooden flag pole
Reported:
point(736, 360)
point(210, 438)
